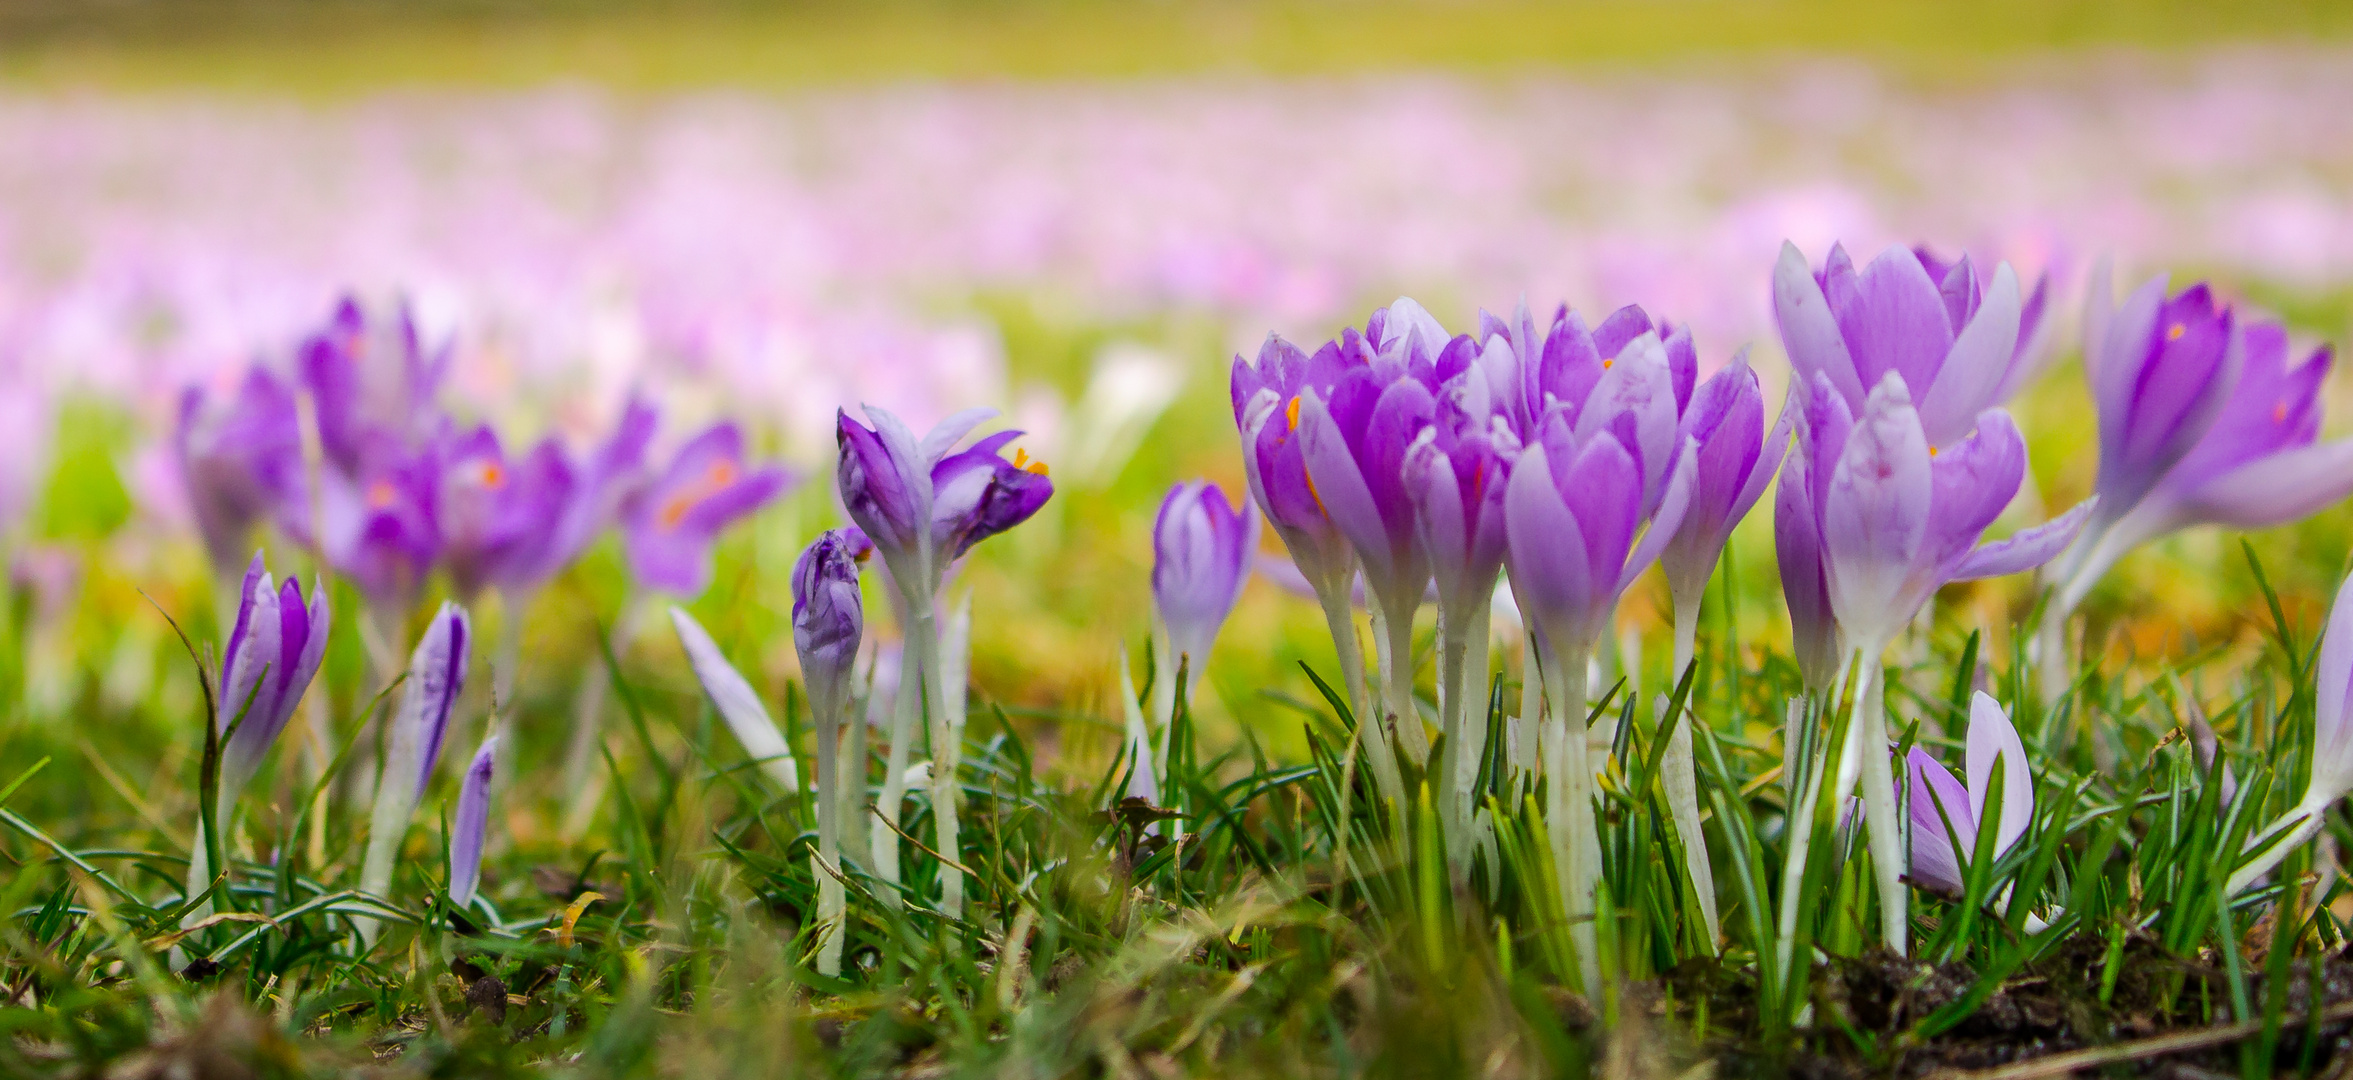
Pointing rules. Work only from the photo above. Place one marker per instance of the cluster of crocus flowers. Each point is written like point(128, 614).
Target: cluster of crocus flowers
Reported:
point(350, 453)
point(1569, 461)
point(2203, 420)
point(1888, 494)
point(923, 504)
point(274, 650)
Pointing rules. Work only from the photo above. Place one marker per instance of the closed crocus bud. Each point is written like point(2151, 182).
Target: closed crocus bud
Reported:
point(1856, 328)
point(472, 825)
point(1938, 800)
point(1805, 585)
point(1572, 516)
point(436, 677)
point(1267, 400)
point(1731, 470)
point(737, 703)
point(272, 654)
point(828, 614)
point(1201, 548)
point(669, 527)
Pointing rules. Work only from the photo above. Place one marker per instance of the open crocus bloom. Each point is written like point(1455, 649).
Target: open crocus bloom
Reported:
point(1939, 800)
point(1963, 285)
point(1955, 350)
point(669, 526)
point(2203, 420)
point(1894, 518)
point(921, 506)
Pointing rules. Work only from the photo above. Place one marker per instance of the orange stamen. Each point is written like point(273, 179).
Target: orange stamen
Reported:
point(2175, 332)
point(489, 474)
point(1291, 413)
point(2279, 413)
point(382, 495)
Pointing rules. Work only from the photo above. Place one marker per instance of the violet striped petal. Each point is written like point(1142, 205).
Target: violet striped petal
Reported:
point(471, 826)
point(1992, 738)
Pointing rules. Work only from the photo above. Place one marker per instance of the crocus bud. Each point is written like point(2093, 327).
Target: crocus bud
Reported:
point(737, 703)
point(668, 528)
point(272, 654)
point(1201, 550)
point(472, 825)
point(1571, 515)
point(828, 614)
point(1937, 798)
point(436, 676)
point(1733, 466)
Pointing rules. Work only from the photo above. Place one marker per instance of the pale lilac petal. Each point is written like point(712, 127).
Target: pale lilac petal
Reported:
point(2271, 490)
point(1896, 321)
point(2027, 548)
point(2332, 744)
point(1809, 332)
point(1339, 486)
point(1991, 738)
point(736, 702)
point(1973, 372)
point(470, 828)
point(1875, 515)
point(1673, 505)
point(944, 435)
point(1551, 573)
point(1937, 801)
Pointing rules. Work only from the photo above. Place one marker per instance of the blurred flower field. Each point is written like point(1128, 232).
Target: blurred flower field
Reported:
point(667, 299)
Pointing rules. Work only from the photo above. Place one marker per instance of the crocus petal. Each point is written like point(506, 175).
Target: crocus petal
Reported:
point(1551, 572)
point(1875, 515)
point(1636, 390)
point(1973, 372)
point(2280, 488)
point(944, 435)
point(1673, 505)
point(2332, 743)
point(1937, 801)
point(1201, 550)
point(253, 653)
point(1991, 738)
point(829, 616)
point(1805, 588)
point(1973, 482)
point(2027, 548)
point(471, 826)
point(736, 702)
point(1339, 486)
point(1809, 332)
point(1896, 321)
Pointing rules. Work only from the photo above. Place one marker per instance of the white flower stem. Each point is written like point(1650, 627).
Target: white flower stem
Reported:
point(1679, 775)
point(1384, 761)
point(1568, 811)
point(945, 752)
point(1885, 829)
point(1397, 667)
point(1523, 735)
point(906, 710)
point(830, 900)
point(2313, 817)
point(1460, 683)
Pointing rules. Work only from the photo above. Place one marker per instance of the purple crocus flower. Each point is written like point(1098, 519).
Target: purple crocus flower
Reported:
point(1353, 441)
point(1895, 519)
point(1573, 518)
point(1201, 548)
point(2202, 421)
point(828, 622)
point(1956, 350)
point(240, 459)
point(471, 828)
point(1963, 286)
point(1563, 367)
point(272, 654)
point(921, 506)
point(373, 383)
point(1805, 585)
point(1938, 800)
point(668, 526)
point(1725, 422)
point(437, 675)
point(498, 517)
point(828, 615)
